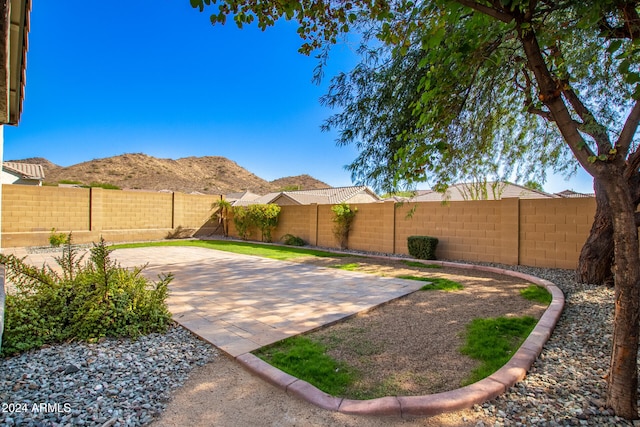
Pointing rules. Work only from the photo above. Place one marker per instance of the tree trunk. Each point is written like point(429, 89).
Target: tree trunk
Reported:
point(622, 392)
point(596, 256)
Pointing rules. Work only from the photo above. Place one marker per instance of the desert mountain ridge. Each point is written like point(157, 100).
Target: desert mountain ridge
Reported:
point(208, 175)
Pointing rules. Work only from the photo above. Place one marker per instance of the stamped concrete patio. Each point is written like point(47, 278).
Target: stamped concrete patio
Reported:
point(240, 303)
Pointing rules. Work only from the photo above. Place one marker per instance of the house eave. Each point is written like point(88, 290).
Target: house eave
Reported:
point(13, 58)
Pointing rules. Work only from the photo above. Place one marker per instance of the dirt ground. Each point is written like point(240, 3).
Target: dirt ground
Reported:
point(406, 347)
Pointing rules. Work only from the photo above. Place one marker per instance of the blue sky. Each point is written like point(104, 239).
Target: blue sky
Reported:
point(107, 78)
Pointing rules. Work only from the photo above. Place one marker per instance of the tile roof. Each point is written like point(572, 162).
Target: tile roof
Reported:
point(321, 196)
point(570, 194)
point(25, 170)
point(328, 195)
point(504, 190)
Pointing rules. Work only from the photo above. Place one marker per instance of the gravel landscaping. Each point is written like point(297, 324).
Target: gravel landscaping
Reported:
point(566, 385)
point(112, 383)
point(124, 383)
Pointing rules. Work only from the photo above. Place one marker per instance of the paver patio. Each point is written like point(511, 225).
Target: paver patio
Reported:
point(240, 303)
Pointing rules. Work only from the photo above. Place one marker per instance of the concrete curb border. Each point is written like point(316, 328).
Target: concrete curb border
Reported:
point(414, 406)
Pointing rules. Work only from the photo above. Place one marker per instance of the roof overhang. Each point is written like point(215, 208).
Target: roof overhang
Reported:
point(14, 28)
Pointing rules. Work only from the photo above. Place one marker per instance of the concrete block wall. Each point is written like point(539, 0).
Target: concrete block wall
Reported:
point(33, 208)
point(543, 232)
point(130, 210)
point(466, 230)
point(552, 233)
point(296, 220)
point(371, 227)
point(326, 239)
point(194, 211)
point(29, 214)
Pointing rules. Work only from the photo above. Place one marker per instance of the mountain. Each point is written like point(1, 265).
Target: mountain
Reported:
point(209, 174)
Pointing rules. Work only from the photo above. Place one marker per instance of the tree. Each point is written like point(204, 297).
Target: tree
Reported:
point(222, 208)
point(500, 85)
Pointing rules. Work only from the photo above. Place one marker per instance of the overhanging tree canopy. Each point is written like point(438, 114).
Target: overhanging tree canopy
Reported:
point(494, 85)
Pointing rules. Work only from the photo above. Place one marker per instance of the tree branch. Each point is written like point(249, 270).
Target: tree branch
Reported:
point(494, 13)
point(629, 130)
point(542, 113)
point(548, 87)
point(589, 125)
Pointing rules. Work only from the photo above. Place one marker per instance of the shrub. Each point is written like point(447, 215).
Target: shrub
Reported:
point(265, 217)
point(242, 221)
point(85, 302)
point(422, 247)
point(343, 217)
point(57, 239)
point(291, 240)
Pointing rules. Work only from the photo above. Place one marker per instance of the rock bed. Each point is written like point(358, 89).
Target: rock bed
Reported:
point(566, 386)
point(112, 383)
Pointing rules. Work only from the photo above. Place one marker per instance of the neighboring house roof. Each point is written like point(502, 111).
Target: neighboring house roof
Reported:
point(322, 196)
point(13, 58)
point(241, 199)
point(570, 194)
point(330, 195)
point(24, 170)
point(476, 191)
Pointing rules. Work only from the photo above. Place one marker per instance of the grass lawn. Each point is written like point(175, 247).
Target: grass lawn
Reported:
point(247, 248)
point(493, 341)
point(435, 283)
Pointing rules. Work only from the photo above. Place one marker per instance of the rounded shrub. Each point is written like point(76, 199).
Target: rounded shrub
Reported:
point(422, 247)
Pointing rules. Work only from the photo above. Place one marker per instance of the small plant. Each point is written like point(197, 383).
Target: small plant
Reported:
point(493, 341)
point(353, 266)
point(84, 302)
point(422, 247)
point(57, 239)
point(537, 293)
point(343, 216)
point(435, 283)
point(291, 240)
point(420, 264)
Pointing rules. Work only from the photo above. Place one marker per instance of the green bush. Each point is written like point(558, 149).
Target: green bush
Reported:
point(84, 302)
point(57, 239)
point(242, 221)
point(265, 217)
point(422, 247)
point(262, 216)
point(291, 240)
point(343, 216)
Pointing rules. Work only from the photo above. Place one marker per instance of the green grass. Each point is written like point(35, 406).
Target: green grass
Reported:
point(537, 293)
point(493, 341)
point(246, 248)
point(435, 283)
point(353, 266)
point(420, 264)
point(305, 359)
